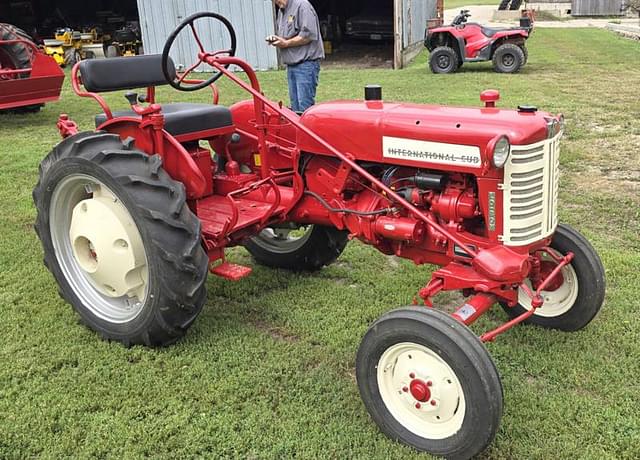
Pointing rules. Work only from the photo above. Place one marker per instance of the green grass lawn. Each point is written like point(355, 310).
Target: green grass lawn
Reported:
point(267, 370)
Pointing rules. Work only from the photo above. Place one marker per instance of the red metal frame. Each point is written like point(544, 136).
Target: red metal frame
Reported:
point(297, 175)
point(43, 84)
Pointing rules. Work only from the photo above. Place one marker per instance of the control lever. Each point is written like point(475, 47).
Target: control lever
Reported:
point(131, 97)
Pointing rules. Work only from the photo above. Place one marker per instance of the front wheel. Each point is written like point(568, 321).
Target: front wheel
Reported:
point(120, 240)
point(428, 381)
point(307, 248)
point(444, 59)
point(576, 294)
point(508, 58)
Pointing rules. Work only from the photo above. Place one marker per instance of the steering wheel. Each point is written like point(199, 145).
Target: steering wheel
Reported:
point(177, 81)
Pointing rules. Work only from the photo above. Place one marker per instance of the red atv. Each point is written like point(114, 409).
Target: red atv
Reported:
point(451, 46)
point(132, 217)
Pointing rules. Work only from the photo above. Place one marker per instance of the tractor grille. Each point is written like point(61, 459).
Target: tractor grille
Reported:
point(531, 192)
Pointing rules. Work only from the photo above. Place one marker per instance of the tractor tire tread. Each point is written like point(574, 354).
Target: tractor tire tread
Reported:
point(174, 240)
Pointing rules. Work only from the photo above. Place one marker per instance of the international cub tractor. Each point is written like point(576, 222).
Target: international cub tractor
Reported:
point(451, 46)
point(133, 216)
point(28, 77)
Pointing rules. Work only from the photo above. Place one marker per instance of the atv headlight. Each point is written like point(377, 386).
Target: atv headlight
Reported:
point(501, 152)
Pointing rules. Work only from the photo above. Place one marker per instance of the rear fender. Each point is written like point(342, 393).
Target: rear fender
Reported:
point(176, 161)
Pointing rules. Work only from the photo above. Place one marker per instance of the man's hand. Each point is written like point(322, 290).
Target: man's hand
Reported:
point(278, 42)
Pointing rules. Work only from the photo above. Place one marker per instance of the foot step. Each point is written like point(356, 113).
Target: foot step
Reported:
point(233, 272)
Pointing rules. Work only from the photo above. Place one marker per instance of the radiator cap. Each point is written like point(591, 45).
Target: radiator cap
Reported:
point(527, 108)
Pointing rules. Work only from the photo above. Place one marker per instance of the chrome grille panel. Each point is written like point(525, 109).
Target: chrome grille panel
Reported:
point(531, 192)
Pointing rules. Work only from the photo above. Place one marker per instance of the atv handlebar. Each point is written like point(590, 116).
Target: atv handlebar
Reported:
point(461, 18)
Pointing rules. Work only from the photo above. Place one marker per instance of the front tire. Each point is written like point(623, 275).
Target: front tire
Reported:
point(444, 59)
point(311, 250)
point(120, 240)
point(579, 293)
point(508, 58)
point(428, 382)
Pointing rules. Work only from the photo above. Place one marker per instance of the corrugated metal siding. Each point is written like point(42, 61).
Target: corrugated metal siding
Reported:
point(596, 8)
point(415, 14)
point(252, 20)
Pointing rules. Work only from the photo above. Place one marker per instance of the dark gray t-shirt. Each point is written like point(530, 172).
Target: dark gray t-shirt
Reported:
point(299, 18)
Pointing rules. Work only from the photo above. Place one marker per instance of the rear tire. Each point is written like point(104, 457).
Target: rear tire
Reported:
point(508, 58)
point(444, 59)
point(16, 55)
point(578, 300)
point(103, 204)
point(428, 381)
point(525, 52)
point(317, 247)
point(112, 51)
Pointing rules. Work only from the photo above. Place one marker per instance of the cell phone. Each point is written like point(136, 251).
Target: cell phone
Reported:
point(271, 38)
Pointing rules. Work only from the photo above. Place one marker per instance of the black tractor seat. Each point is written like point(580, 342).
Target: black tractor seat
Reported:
point(117, 74)
point(184, 117)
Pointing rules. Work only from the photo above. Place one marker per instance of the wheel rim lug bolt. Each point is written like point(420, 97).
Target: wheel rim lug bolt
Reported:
point(429, 383)
point(418, 405)
point(405, 389)
point(433, 402)
point(412, 375)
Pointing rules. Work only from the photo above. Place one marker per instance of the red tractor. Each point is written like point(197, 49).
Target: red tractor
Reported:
point(134, 215)
point(451, 46)
point(28, 77)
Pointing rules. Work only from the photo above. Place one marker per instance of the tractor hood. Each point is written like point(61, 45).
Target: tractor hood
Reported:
point(361, 127)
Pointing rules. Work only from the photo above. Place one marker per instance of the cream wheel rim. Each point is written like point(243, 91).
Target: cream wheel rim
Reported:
point(421, 391)
point(99, 248)
point(556, 302)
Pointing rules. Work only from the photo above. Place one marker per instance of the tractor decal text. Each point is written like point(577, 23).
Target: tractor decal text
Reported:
point(432, 152)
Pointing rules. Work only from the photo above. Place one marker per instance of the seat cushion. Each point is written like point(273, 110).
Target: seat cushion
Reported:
point(183, 117)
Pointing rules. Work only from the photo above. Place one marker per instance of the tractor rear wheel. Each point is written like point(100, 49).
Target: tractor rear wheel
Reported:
point(15, 55)
point(120, 240)
point(428, 381)
point(508, 58)
point(578, 293)
point(308, 248)
point(444, 59)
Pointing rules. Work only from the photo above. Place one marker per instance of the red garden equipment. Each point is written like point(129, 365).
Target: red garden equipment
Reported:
point(133, 215)
point(28, 78)
point(451, 46)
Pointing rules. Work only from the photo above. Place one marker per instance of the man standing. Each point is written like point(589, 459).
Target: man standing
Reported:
point(301, 49)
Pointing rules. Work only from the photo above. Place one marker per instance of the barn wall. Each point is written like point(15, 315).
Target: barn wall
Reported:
point(596, 8)
point(252, 20)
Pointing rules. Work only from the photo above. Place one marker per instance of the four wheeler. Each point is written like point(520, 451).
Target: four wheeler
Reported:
point(133, 215)
point(28, 78)
point(451, 46)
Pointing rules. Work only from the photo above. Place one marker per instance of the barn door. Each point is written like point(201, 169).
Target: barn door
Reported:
point(409, 26)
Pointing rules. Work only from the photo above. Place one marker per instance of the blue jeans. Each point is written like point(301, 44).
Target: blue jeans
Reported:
point(303, 81)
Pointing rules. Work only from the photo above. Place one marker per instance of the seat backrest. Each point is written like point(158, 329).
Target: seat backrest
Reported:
point(115, 74)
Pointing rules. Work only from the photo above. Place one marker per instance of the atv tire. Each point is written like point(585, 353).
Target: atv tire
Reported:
point(525, 51)
point(444, 59)
point(508, 58)
point(103, 204)
point(504, 5)
point(515, 5)
point(317, 247)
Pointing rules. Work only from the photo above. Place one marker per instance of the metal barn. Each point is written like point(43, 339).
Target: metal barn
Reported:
point(255, 19)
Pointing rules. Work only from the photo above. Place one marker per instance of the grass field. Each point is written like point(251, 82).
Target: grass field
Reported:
point(267, 370)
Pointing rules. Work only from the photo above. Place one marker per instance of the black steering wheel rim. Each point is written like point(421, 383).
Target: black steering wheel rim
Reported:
point(172, 37)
